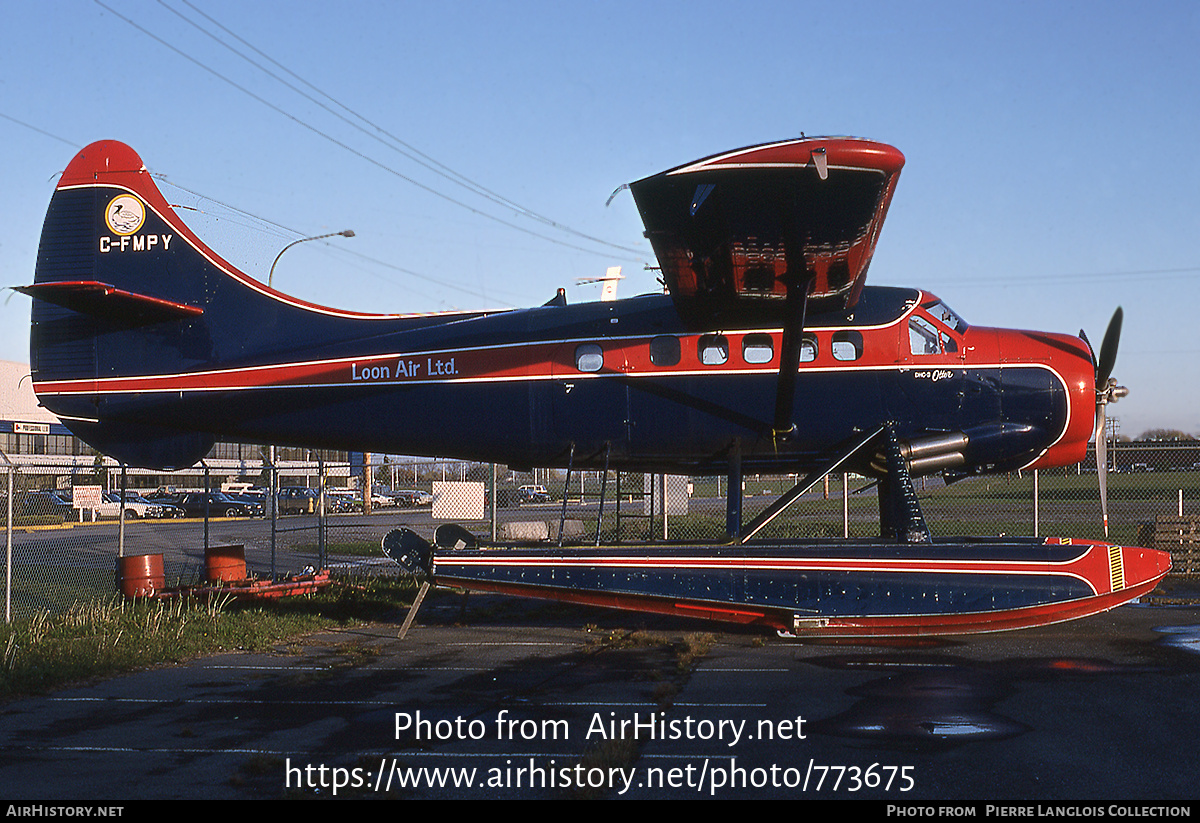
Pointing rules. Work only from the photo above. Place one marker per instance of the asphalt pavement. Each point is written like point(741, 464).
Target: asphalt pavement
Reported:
point(497, 698)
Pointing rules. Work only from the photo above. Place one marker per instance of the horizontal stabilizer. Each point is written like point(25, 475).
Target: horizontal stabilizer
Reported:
point(109, 303)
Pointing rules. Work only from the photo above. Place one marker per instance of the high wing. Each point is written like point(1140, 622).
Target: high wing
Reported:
point(735, 231)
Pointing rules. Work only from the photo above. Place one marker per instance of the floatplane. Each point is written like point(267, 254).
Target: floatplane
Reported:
point(767, 353)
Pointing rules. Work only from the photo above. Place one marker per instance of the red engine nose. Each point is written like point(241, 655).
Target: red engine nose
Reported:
point(1071, 359)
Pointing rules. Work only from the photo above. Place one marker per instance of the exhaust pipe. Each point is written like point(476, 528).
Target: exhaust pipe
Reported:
point(929, 455)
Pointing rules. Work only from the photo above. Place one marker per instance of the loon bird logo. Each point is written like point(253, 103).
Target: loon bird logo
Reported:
point(125, 214)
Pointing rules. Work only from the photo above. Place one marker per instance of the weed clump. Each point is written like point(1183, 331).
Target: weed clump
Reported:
point(98, 638)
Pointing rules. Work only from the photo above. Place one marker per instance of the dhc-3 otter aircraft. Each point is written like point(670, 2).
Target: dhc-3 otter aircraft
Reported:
point(767, 354)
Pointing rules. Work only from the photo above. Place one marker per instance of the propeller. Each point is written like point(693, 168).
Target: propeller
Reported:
point(1107, 391)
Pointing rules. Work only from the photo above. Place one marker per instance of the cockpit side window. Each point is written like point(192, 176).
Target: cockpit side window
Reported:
point(922, 336)
point(926, 338)
point(945, 315)
point(808, 348)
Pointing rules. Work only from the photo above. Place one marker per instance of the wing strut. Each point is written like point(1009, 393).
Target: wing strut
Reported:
point(775, 509)
point(789, 356)
point(603, 489)
point(733, 500)
point(562, 520)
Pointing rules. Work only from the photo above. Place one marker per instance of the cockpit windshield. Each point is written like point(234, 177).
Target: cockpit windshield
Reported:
point(941, 312)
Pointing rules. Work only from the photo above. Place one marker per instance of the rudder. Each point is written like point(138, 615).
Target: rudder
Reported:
point(120, 289)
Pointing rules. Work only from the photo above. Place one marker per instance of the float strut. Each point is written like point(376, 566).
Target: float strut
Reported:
point(900, 516)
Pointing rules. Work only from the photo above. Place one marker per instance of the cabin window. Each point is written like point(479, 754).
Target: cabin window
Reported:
point(664, 350)
point(758, 348)
point(847, 345)
point(712, 349)
point(808, 349)
point(589, 357)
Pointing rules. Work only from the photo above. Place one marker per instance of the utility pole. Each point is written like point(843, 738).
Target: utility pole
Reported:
point(1114, 425)
point(367, 485)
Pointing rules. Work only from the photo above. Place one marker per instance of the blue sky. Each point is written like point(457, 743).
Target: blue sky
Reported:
point(1049, 146)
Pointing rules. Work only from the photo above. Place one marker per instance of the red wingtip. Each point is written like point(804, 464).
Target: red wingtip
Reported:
point(101, 157)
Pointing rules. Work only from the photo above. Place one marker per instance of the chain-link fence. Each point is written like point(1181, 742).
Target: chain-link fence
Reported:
point(65, 535)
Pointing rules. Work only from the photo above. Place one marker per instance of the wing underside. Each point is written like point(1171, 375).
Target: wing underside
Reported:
point(734, 232)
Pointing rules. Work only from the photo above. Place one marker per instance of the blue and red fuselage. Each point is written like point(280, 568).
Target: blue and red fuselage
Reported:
point(627, 381)
point(150, 347)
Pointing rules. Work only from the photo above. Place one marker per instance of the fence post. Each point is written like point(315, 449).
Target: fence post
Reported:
point(121, 514)
point(1035, 503)
point(273, 502)
point(662, 491)
point(322, 521)
point(845, 504)
point(8, 528)
point(603, 489)
point(491, 497)
point(207, 492)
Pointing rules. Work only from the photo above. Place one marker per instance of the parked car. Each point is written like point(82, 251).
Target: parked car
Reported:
point(342, 500)
point(43, 503)
point(253, 496)
point(219, 505)
point(410, 498)
point(167, 507)
point(297, 500)
point(533, 494)
point(135, 507)
point(508, 498)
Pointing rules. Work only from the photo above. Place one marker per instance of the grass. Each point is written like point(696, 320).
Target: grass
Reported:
point(96, 638)
point(353, 548)
point(55, 587)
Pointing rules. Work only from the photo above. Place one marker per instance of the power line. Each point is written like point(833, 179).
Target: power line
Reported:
point(281, 230)
point(339, 143)
point(397, 144)
point(40, 131)
point(259, 223)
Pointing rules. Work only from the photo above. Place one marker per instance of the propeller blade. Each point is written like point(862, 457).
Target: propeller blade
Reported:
point(1108, 350)
point(1107, 391)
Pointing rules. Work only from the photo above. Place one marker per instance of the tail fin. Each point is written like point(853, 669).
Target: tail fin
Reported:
point(131, 311)
point(113, 294)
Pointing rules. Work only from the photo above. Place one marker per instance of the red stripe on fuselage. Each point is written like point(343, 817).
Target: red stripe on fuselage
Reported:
point(625, 356)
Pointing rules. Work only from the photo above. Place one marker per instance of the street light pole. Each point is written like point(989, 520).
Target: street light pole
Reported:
point(273, 490)
point(345, 233)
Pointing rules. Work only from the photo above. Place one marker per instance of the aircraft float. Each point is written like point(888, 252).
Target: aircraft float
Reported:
point(767, 354)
